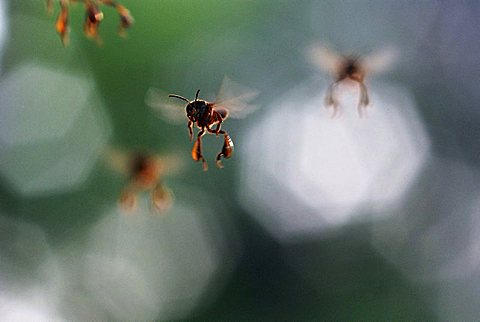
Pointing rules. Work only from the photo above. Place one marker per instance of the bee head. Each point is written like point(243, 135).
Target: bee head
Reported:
point(351, 65)
point(191, 111)
point(193, 107)
point(139, 162)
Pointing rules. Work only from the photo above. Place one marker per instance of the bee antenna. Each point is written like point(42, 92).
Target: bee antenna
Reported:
point(356, 58)
point(179, 97)
point(196, 95)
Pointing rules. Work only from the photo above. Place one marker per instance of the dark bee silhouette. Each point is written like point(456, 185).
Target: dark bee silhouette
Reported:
point(205, 115)
point(208, 117)
point(93, 17)
point(146, 172)
point(350, 68)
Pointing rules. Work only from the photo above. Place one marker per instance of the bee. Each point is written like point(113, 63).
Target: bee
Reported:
point(146, 173)
point(207, 116)
point(350, 69)
point(93, 17)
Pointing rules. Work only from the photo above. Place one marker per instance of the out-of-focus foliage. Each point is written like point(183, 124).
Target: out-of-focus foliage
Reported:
point(393, 236)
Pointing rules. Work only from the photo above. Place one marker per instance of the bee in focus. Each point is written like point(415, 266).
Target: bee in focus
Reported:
point(208, 117)
point(205, 115)
point(93, 17)
point(146, 172)
point(349, 69)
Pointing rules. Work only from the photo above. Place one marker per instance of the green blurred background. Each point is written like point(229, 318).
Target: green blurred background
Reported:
point(180, 46)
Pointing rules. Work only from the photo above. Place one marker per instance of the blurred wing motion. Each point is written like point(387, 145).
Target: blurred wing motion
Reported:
point(170, 110)
point(171, 163)
point(380, 61)
point(118, 160)
point(234, 99)
point(146, 172)
point(121, 161)
point(325, 58)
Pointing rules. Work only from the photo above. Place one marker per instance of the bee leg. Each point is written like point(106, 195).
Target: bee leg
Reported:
point(190, 130)
point(219, 120)
point(92, 21)
point(227, 149)
point(162, 198)
point(128, 199)
point(361, 111)
point(218, 127)
point(126, 19)
point(61, 25)
point(197, 150)
point(330, 100)
point(335, 111)
point(329, 96)
point(364, 100)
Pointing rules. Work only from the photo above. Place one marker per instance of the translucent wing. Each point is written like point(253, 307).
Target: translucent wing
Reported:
point(171, 164)
point(380, 61)
point(121, 161)
point(235, 99)
point(325, 58)
point(162, 165)
point(117, 160)
point(169, 109)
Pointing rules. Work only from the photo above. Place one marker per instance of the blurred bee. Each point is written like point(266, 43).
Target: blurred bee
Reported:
point(208, 117)
point(351, 69)
point(93, 17)
point(146, 172)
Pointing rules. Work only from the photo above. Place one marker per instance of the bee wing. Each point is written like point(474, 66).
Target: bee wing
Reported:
point(325, 58)
point(169, 164)
point(234, 99)
point(167, 108)
point(117, 160)
point(380, 61)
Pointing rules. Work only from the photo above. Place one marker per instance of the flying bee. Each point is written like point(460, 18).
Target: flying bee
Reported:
point(93, 17)
point(146, 172)
point(350, 69)
point(208, 117)
point(205, 115)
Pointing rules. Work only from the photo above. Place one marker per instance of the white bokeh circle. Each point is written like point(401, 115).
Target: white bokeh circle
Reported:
point(303, 171)
point(52, 129)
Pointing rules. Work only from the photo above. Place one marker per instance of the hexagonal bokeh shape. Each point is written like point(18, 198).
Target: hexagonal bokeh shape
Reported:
point(52, 128)
point(143, 266)
point(435, 237)
point(458, 298)
point(303, 171)
point(43, 45)
point(30, 276)
point(458, 53)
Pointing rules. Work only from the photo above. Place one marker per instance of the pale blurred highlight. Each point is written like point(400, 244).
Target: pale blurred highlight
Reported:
point(53, 129)
point(138, 267)
point(330, 173)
